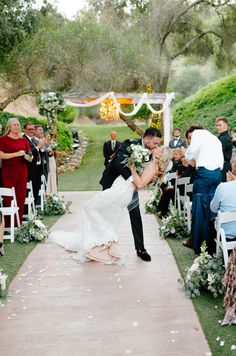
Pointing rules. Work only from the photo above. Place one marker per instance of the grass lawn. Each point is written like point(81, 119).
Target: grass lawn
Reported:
point(90, 171)
point(16, 253)
point(209, 309)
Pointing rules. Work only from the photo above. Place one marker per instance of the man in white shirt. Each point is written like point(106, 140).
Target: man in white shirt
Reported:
point(206, 150)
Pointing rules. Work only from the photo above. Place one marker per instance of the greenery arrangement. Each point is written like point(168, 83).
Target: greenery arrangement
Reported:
point(152, 203)
point(205, 273)
point(174, 225)
point(32, 230)
point(55, 205)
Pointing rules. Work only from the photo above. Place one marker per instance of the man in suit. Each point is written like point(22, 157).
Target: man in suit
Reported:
point(35, 167)
point(110, 147)
point(151, 140)
point(177, 140)
point(227, 144)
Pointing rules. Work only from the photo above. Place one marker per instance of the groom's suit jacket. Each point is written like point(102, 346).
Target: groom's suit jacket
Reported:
point(117, 167)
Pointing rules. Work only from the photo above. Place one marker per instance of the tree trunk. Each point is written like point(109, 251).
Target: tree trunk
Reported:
point(130, 123)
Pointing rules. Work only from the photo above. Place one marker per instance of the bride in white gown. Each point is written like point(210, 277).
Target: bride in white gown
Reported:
point(96, 237)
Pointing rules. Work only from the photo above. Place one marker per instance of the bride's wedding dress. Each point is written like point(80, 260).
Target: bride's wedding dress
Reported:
point(96, 237)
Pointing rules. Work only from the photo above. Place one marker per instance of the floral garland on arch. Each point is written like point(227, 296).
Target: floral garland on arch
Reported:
point(50, 104)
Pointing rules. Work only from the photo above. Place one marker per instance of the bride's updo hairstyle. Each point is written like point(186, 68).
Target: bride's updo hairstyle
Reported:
point(163, 161)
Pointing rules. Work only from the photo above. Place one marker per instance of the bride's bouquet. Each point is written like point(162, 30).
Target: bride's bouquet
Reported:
point(139, 157)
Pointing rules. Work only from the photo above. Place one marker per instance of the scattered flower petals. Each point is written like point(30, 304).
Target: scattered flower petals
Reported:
point(219, 321)
point(138, 301)
point(34, 291)
point(24, 308)
point(128, 352)
point(218, 338)
point(90, 317)
point(88, 290)
point(17, 291)
point(173, 340)
point(120, 286)
point(233, 347)
point(222, 343)
point(216, 306)
point(208, 354)
point(134, 324)
point(13, 314)
point(9, 318)
point(174, 332)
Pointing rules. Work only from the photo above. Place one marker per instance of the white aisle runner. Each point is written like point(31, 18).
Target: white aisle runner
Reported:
point(61, 308)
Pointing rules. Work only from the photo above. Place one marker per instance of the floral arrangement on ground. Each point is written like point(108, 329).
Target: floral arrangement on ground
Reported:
point(205, 273)
point(152, 204)
point(3, 280)
point(55, 205)
point(174, 225)
point(32, 230)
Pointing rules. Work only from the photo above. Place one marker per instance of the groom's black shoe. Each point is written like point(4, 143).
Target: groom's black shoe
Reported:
point(144, 255)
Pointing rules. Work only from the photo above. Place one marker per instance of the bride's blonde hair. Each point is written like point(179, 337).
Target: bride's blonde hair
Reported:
point(163, 161)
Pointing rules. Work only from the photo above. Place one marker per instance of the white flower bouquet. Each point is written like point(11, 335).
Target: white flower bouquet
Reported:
point(32, 230)
point(205, 273)
point(139, 157)
point(50, 103)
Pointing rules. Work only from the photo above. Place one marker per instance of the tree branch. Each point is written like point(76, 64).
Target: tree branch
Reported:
point(130, 123)
point(19, 93)
point(188, 44)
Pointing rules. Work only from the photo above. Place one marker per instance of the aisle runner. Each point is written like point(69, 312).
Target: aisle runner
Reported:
point(59, 307)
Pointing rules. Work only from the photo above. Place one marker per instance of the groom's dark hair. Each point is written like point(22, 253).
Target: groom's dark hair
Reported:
point(152, 132)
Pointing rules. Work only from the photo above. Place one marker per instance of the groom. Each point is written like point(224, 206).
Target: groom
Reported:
point(151, 139)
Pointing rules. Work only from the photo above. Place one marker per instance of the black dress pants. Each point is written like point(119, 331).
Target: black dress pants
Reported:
point(137, 227)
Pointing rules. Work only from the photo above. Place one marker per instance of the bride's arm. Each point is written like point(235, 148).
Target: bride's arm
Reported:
point(149, 171)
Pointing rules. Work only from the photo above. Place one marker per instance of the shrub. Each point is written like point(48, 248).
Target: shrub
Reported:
point(69, 114)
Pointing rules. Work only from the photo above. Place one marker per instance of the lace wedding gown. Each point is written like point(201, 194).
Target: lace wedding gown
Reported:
point(100, 217)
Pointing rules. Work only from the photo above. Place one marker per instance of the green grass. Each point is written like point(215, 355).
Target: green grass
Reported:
point(209, 309)
point(90, 171)
point(16, 253)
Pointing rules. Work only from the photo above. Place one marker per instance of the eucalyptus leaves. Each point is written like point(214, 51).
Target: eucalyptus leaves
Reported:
point(32, 230)
point(174, 225)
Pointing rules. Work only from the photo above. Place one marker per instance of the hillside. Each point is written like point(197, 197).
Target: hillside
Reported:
point(216, 99)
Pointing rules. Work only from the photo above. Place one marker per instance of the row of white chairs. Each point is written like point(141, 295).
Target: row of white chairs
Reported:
point(13, 210)
point(184, 205)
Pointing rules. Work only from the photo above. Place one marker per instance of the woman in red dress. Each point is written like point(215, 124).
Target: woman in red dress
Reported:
point(13, 152)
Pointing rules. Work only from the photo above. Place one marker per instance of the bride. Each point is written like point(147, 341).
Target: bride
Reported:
point(96, 238)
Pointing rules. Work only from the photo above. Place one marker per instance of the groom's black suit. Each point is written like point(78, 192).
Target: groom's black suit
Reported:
point(115, 168)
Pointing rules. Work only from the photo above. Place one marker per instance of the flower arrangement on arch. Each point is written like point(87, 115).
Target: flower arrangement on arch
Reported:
point(139, 157)
point(55, 205)
point(174, 225)
point(50, 103)
point(32, 230)
point(205, 273)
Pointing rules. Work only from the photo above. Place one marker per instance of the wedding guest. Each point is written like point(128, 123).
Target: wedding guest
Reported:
point(206, 151)
point(232, 175)
point(52, 174)
point(227, 144)
point(35, 169)
point(14, 154)
point(177, 140)
point(39, 135)
point(2, 225)
point(110, 147)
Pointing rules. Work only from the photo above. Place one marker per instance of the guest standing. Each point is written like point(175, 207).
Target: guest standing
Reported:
point(227, 144)
point(13, 152)
point(110, 147)
point(177, 140)
point(206, 150)
point(35, 168)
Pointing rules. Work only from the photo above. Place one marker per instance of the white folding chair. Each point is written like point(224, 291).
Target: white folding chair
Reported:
point(29, 202)
point(42, 192)
point(221, 242)
point(178, 198)
point(11, 211)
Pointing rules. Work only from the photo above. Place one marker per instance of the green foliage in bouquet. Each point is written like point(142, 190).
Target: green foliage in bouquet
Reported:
point(152, 203)
point(205, 273)
point(174, 225)
point(55, 205)
point(32, 230)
